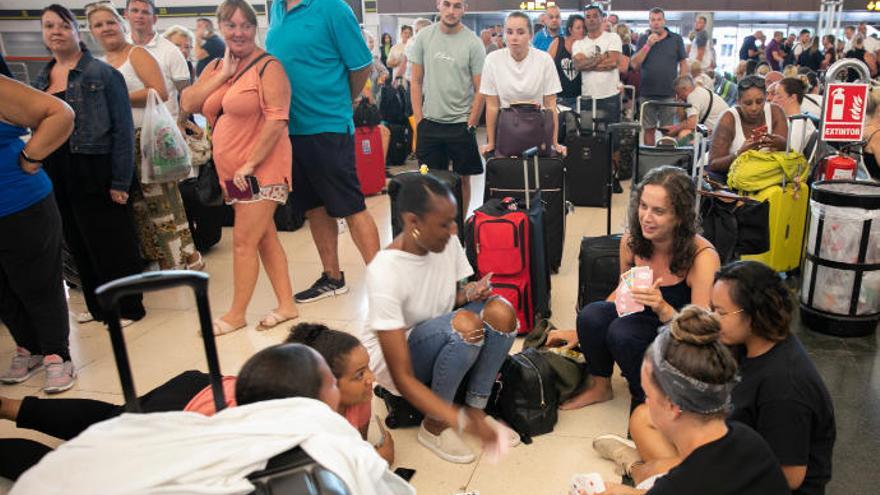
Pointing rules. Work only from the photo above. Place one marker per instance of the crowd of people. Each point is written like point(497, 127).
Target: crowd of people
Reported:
point(724, 397)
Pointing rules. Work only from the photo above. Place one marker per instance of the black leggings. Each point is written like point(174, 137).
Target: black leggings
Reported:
point(67, 418)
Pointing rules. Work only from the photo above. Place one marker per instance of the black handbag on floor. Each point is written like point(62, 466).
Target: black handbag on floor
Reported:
point(735, 225)
point(525, 395)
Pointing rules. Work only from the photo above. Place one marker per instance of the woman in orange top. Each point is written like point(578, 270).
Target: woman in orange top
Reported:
point(246, 97)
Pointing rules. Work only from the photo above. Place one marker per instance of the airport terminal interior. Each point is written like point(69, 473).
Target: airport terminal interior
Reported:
point(167, 341)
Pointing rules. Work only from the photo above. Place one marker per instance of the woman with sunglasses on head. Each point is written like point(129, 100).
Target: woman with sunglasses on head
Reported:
point(92, 173)
point(688, 375)
point(158, 207)
point(780, 394)
point(753, 123)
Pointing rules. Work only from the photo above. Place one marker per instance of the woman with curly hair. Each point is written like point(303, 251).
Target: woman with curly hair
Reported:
point(662, 234)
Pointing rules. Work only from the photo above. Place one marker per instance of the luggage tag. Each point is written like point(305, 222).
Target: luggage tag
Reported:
point(588, 484)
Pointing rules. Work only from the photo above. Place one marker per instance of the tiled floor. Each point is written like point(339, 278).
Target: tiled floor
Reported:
point(165, 343)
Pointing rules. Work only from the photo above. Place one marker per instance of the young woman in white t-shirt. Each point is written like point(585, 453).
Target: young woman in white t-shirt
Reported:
point(518, 74)
point(427, 330)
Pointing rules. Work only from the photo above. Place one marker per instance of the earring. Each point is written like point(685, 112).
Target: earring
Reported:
point(416, 233)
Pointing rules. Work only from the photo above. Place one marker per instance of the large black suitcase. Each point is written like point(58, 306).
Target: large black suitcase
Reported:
point(599, 258)
point(587, 169)
point(292, 472)
point(205, 222)
point(505, 177)
point(451, 179)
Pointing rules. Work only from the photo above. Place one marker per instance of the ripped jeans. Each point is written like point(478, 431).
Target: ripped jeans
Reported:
point(441, 358)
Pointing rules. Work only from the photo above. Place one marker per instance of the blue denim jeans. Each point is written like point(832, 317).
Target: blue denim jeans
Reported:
point(441, 358)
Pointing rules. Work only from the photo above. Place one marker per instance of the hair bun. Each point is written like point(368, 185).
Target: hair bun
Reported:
point(695, 325)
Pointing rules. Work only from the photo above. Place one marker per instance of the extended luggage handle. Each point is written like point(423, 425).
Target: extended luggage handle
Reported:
point(533, 154)
point(791, 120)
point(109, 295)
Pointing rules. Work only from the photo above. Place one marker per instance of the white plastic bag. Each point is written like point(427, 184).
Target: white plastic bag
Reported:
point(164, 153)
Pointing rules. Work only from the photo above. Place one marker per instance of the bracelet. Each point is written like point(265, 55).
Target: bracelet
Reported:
point(461, 420)
point(646, 48)
point(468, 290)
point(28, 159)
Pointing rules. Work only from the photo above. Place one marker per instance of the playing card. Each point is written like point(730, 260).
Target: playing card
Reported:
point(624, 302)
point(642, 277)
point(590, 484)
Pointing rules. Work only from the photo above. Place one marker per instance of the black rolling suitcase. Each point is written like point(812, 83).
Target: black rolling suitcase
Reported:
point(287, 219)
point(666, 151)
point(599, 258)
point(400, 144)
point(205, 222)
point(451, 179)
point(505, 178)
point(587, 167)
point(292, 472)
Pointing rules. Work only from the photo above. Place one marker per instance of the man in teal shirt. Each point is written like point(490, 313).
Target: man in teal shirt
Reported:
point(320, 45)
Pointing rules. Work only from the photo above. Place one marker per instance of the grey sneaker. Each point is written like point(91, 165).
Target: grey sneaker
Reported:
point(448, 445)
point(620, 451)
point(60, 374)
point(24, 365)
point(323, 287)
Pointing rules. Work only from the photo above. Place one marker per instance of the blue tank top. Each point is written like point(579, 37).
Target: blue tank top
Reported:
point(20, 190)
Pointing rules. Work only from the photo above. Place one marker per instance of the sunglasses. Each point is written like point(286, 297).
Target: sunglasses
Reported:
point(90, 7)
point(751, 82)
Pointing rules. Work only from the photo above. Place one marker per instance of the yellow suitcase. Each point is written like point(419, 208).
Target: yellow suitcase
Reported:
point(788, 218)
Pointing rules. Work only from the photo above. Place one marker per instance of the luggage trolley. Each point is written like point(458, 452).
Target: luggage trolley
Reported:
point(666, 152)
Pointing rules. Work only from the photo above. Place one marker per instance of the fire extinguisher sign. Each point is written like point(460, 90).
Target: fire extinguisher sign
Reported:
point(843, 118)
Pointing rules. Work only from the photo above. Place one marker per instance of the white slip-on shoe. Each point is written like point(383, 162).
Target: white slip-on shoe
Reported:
point(447, 445)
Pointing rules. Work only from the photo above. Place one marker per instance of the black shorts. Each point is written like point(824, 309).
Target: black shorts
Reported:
point(437, 144)
point(324, 174)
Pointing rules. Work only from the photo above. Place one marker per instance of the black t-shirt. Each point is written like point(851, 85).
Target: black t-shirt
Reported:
point(739, 463)
point(813, 60)
point(783, 398)
point(215, 47)
point(749, 43)
point(660, 67)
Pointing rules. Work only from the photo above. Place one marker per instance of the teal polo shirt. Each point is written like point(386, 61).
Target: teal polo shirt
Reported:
point(318, 42)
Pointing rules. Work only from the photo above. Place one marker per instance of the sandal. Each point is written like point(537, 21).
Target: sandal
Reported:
point(273, 319)
point(197, 265)
point(221, 327)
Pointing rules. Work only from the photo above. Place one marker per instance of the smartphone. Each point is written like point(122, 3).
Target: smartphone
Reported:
point(252, 190)
point(405, 473)
point(485, 282)
point(757, 132)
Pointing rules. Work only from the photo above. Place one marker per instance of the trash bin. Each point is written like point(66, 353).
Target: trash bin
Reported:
point(840, 294)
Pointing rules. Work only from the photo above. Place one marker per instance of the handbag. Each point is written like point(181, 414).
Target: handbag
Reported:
point(366, 114)
point(735, 225)
point(208, 185)
point(522, 126)
point(199, 144)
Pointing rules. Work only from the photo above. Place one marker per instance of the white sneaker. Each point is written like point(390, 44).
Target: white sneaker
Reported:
point(448, 445)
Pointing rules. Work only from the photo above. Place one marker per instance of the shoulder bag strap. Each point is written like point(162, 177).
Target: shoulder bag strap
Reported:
point(708, 110)
point(253, 62)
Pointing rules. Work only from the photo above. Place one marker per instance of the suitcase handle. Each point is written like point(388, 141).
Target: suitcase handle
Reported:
point(109, 295)
point(530, 153)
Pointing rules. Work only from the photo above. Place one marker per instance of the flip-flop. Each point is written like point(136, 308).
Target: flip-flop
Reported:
point(273, 319)
point(221, 327)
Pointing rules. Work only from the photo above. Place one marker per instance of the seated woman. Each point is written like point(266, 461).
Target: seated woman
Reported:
point(753, 123)
point(287, 398)
point(688, 375)
point(191, 391)
point(789, 95)
point(780, 394)
point(519, 73)
point(662, 235)
point(420, 345)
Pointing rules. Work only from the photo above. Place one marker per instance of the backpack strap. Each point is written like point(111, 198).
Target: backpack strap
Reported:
point(708, 110)
point(243, 72)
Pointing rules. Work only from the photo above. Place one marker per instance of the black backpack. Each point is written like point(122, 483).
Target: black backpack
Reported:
point(392, 103)
point(525, 395)
point(366, 114)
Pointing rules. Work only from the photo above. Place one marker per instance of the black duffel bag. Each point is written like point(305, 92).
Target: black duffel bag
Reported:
point(735, 225)
point(525, 395)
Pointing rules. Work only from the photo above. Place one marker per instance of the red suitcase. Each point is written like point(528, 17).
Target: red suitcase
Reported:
point(368, 159)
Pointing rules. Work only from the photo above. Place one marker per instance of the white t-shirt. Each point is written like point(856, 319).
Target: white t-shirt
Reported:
point(405, 289)
point(599, 84)
point(814, 108)
point(529, 80)
point(173, 67)
point(871, 44)
point(799, 136)
point(699, 101)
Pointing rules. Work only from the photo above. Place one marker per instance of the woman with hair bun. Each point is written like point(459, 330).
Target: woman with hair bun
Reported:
point(780, 394)
point(689, 375)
